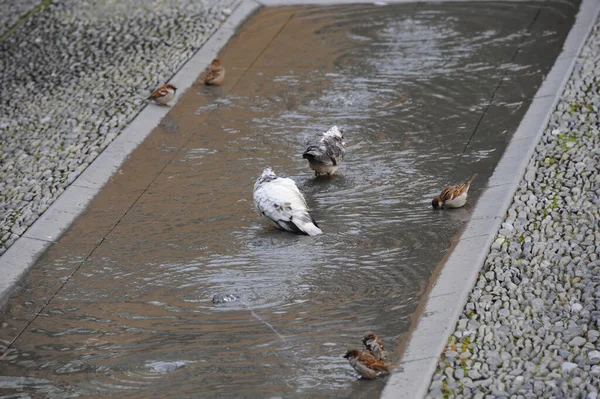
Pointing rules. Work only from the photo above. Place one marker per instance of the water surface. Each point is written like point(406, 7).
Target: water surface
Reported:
point(428, 94)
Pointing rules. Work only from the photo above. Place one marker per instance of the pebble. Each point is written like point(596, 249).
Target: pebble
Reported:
point(568, 366)
point(594, 357)
point(12, 12)
point(474, 374)
point(163, 367)
point(219, 299)
point(459, 374)
point(536, 304)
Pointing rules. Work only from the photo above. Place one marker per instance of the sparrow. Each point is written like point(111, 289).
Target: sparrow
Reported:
point(325, 151)
point(214, 74)
point(163, 94)
point(282, 204)
point(374, 345)
point(366, 365)
point(453, 196)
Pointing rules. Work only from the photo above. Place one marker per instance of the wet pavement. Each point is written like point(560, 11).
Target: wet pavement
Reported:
point(428, 94)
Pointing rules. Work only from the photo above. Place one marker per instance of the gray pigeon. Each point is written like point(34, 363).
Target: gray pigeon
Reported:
point(283, 205)
point(325, 151)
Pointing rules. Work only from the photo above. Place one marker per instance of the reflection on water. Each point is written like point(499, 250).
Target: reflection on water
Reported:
point(191, 295)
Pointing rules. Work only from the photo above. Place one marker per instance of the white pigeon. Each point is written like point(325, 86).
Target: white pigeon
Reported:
point(281, 203)
point(325, 151)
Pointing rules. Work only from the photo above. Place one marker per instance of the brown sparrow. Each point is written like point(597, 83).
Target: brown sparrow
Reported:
point(163, 94)
point(453, 196)
point(214, 74)
point(366, 365)
point(374, 345)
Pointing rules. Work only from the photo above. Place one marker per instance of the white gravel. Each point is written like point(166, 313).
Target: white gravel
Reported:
point(13, 10)
point(73, 75)
point(531, 326)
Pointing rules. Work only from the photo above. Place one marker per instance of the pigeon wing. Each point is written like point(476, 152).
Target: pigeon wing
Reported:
point(283, 204)
point(334, 149)
point(317, 150)
point(277, 211)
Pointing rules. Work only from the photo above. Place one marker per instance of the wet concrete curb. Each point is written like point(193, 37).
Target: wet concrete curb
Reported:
point(59, 216)
point(451, 290)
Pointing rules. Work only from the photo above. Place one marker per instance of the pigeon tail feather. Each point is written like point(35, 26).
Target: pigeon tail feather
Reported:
point(311, 229)
point(311, 153)
point(291, 226)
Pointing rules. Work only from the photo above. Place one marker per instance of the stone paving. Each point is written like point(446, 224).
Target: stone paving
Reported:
point(74, 74)
point(13, 11)
point(531, 326)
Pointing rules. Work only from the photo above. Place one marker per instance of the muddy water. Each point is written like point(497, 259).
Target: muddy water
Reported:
point(427, 94)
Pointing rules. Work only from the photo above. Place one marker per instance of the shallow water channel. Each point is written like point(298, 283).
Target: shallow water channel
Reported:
point(428, 94)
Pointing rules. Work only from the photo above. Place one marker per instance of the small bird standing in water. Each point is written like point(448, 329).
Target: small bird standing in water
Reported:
point(366, 365)
point(163, 94)
point(325, 151)
point(453, 196)
point(214, 74)
point(283, 205)
point(374, 345)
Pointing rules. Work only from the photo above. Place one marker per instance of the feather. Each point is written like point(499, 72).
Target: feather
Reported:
point(214, 74)
point(453, 196)
point(279, 201)
point(325, 151)
point(374, 345)
point(163, 94)
point(366, 364)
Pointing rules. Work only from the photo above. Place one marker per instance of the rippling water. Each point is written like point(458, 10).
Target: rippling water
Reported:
point(409, 83)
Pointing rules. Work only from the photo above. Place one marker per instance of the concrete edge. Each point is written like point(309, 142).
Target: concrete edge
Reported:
point(283, 3)
point(47, 229)
point(458, 276)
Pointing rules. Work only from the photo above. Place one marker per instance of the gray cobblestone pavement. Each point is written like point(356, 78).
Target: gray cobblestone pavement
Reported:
point(530, 328)
point(73, 75)
point(13, 11)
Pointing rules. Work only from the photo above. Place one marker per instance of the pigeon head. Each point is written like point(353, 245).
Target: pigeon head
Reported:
point(266, 176)
point(268, 172)
point(335, 132)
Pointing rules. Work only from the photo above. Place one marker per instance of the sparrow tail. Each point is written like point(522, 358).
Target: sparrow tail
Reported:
point(395, 367)
point(471, 179)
